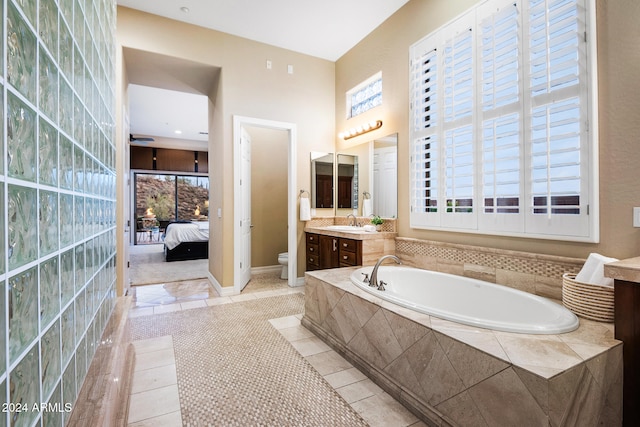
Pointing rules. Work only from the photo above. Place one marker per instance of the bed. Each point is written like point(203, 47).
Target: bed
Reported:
point(186, 240)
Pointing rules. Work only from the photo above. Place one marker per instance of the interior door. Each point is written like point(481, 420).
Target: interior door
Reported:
point(385, 176)
point(245, 209)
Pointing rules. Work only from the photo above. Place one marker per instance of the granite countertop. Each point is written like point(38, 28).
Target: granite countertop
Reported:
point(355, 235)
point(626, 269)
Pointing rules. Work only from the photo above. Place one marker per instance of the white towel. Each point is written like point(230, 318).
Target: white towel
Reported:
point(593, 270)
point(367, 208)
point(305, 209)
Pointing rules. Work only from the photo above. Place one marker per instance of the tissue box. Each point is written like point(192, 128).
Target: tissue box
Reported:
point(587, 300)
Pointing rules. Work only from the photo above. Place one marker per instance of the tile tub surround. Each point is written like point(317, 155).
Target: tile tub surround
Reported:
point(452, 374)
point(534, 273)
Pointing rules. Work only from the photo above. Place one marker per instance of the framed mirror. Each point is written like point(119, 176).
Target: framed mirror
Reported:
point(377, 177)
point(347, 183)
point(385, 176)
point(321, 180)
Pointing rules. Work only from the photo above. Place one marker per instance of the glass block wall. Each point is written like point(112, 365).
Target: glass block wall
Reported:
point(57, 196)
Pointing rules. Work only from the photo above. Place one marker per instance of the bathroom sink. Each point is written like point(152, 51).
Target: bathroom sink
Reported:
point(347, 228)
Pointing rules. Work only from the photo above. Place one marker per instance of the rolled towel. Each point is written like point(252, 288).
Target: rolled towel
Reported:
point(369, 228)
point(305, 209)
point(367, 208)
point(593, 270)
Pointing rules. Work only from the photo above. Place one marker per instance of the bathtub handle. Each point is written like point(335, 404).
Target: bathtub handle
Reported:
point(381, 285)
point(366, 277)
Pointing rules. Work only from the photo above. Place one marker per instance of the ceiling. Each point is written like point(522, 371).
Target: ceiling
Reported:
point(324, 29)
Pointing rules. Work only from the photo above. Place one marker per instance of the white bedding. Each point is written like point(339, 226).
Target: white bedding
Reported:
point(186, 232)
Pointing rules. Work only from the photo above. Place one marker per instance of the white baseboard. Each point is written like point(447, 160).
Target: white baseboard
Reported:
point(222, 291)
point(266, 269)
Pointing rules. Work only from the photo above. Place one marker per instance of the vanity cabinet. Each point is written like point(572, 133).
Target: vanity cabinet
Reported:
point(331, 252)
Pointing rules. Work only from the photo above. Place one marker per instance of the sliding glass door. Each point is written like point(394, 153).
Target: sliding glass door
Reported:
point(162, 198)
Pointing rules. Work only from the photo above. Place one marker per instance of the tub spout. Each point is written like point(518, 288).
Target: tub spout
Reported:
point(373, 281)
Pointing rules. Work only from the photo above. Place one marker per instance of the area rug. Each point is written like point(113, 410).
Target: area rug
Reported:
point(235, 369)
point(147, 266)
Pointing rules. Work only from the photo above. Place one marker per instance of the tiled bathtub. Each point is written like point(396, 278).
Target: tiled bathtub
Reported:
point(451, 374)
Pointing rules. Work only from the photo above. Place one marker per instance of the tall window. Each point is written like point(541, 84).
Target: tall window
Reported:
point(501, 100)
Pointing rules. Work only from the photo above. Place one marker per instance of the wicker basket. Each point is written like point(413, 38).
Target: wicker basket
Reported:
point(589, 301)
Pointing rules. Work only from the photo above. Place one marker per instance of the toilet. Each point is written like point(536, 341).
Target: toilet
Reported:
point(283, 260)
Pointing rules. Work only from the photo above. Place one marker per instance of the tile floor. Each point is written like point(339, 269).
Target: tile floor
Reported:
point(155, 399)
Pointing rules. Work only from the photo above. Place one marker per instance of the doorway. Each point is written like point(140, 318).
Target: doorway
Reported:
point(240, 122)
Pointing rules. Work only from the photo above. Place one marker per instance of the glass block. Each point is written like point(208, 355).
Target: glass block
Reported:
point(49, 25)
point(23, 242)
point(2, 233)
point(21, 55)
point(65, 107)
point(89, 176)
point(29, 9)
point(48, 152)
point(1, 114)
point(21, 139)
point(3, 335)
point(23, 311)
point(67, 325)
point(24, 386)
point(78, 169)
point(66, 220)
point(89, 258)
point(69, 392)
point(78, 121)
point(54, 418)
point(3, 391)
point(78, 22)
point(48, 222)
point(48, 86)
point(78, 227)
point(66, 49)
point(66, 163)
point(67, 276)
point(80, 267)
point(50, 358)
point(81, 363)
point(49, 291)
point(78, 74)
point(80, 313)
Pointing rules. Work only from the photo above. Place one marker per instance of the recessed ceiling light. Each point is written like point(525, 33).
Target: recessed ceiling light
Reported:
point(178, 132)
point(184, 9)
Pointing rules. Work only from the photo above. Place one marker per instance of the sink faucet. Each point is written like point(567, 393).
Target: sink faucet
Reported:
point(373, 281)
point(353, 223)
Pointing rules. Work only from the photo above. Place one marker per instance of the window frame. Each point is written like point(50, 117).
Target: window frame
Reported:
point(583, 227)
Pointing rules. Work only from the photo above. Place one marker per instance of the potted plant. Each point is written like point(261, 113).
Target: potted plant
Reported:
point(377, 221)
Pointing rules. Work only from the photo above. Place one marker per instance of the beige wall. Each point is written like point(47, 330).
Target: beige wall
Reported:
point(386, 49)
point(269, 167)
point(246, 88)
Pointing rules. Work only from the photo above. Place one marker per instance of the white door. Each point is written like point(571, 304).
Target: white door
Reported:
point(245, 209)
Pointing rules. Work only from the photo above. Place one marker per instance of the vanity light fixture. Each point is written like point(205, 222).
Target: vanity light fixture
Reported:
point(357, 131)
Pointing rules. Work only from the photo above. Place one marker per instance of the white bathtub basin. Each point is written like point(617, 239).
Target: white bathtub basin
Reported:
point(469, 301)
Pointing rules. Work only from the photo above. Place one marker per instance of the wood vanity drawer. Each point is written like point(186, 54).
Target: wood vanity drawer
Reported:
point(312, 238)
point(313, 262)
point(348, 259)
point(312, 249)
point(348, 245)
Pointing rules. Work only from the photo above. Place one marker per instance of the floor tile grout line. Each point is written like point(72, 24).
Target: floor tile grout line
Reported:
point(360, 412)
